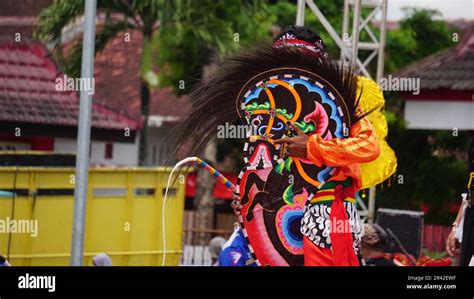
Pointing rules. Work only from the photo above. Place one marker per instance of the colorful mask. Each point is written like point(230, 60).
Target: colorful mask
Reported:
point(274, 188)
point(271, 86)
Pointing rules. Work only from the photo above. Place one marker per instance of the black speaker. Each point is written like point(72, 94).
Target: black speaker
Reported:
point(407, 226)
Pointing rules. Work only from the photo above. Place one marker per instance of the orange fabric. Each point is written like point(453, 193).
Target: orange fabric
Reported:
point(315, 255)
point(345, 153)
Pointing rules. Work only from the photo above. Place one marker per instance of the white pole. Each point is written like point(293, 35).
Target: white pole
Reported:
point(355, 32)
point(300, 12)
point(345, 26)
point(380, 66)
point(383, 29)
point(83, 136)
point(335, 36)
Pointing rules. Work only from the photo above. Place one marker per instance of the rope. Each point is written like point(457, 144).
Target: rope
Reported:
point(211, 170)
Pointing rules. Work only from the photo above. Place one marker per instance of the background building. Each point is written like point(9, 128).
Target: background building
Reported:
point(446, 100)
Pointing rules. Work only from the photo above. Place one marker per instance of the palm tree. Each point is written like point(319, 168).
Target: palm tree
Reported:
point(166, 25)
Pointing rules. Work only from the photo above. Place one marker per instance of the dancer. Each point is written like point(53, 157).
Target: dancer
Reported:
point(101, 260)
point(4, 262)
point(215, 247)
point(333, 207)
point(461, 238)
point(235, 251)
point(373, 244)
point(283, 89)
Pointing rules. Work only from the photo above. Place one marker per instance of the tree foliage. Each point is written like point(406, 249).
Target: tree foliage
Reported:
point(425, 180)
point(200, 31)
point(420, 34)
point(183, 33)
point(432, 174)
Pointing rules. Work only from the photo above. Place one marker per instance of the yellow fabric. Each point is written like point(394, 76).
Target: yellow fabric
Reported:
point(384, 166)
point(372, 96)
point(330, 198)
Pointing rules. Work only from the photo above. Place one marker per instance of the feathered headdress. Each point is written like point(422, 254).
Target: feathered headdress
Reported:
point(267, 87)
point(213, 102)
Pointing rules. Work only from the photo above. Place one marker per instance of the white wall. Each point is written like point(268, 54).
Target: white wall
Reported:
point(439, 115)
point(124, 154)
point(158, 150)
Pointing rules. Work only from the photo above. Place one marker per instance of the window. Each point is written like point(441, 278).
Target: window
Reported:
point(109, 151)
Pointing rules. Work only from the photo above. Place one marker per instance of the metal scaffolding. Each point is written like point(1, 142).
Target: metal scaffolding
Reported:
point(350, 44)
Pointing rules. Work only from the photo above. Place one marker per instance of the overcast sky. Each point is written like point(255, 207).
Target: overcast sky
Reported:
point(451, 9)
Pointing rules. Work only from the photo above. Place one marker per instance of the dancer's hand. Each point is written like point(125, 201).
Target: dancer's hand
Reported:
point(236, 205)
point(452, 244)
point(295, 146)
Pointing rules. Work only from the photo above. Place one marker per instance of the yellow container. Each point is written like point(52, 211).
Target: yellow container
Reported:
point(123, 216)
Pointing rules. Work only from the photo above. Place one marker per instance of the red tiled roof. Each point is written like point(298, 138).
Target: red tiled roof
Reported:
point(23, 7)
point(452, 68)
point(28, 90)
point(117, 75)
point(19, 17)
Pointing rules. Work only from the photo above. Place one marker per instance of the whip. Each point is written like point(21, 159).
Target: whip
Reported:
point(204, 165)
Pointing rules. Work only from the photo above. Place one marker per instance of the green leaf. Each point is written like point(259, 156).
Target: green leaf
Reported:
point(279, 168)
point(288, 195)
point(288, 162)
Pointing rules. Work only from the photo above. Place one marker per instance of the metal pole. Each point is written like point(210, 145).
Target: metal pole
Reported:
point(371, 211)
point(383, 28)
point(345, 26)
point(335, 36)
point(355, 31)
point(300, 13)
point(83, 136)
point(380, 65)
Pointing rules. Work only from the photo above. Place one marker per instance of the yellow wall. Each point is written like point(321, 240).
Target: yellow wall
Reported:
point(107, 217)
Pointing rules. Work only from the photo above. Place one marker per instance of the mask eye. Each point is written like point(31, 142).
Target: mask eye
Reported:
point(256, 122)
